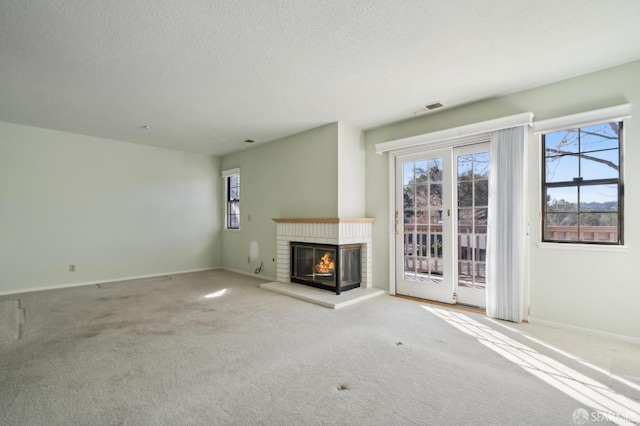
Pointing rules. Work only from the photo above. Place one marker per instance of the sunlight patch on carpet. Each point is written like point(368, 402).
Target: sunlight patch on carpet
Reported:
point(608, 404)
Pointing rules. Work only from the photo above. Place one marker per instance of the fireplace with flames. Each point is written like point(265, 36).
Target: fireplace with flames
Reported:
point(330, 267)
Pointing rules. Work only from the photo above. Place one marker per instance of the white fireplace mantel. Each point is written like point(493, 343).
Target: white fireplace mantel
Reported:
point(323, 231)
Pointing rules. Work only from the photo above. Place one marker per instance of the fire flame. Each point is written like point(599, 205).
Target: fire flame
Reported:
point(325, 266)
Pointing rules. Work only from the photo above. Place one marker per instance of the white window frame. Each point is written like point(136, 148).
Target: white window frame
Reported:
point(604, 115)
point(225, 176)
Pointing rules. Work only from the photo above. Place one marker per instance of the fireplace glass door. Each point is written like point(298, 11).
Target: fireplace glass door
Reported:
point(314, 264)
point(331, 267)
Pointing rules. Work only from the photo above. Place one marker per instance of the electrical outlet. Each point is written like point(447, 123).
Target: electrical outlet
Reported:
point(72, 268)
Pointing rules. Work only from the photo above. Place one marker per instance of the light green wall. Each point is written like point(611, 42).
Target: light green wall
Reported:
point(377, 207)
point(595, 290)
point(113, 209)
point(351, 171)
point(293, 177)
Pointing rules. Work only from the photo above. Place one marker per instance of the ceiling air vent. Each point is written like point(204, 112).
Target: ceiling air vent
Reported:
point(426, 108)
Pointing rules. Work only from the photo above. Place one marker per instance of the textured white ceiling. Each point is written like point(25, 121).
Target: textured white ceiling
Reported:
point(207, 74)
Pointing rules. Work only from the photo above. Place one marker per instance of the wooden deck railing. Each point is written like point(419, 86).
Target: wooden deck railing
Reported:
point(585, 233)
point(426, 244)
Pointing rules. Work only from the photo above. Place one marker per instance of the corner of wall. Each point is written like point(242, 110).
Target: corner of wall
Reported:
point(351, 171)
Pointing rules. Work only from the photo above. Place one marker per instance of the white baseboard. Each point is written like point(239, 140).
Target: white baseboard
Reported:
point(237, 271)
point(111, 280)
point(618, 337)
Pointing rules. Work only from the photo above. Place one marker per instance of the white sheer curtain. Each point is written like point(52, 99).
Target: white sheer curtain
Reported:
point(506, 240)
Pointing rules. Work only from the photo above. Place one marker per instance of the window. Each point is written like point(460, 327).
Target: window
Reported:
point(582, 184)
point(232, 198)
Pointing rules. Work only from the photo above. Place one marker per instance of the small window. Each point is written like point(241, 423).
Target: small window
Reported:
point(232, 198)
point(582, 184)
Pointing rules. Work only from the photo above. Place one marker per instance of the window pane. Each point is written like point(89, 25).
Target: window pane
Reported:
point(233, 215)
point(600, 136)
point(421, 171)
point(481, 247)
point(562, 199)
point(409, 240)
point(435, 169)
point(409, 243)
point(465, 220)
point(234, 208)
point(422, 197)
point(561, 226)
point(609, 219)
point(234, 193)
point(480, 216)
point(481, 275)
point(561, 142)
point(599, 219)
point(599, 227)
point(465, 166)
point(233, 186)
point(562, 168)
point(481, 194)
point(435, 195)
point(465, 274)
point(600, 165)
point(422, 265)
point(409, 216)
point(408, 197)
point(465, 194)
point(465, 246)
point(481, 165)
point(407, 173)
point(234, 222)
point(435, 216)
point(562, 219)
point(599, 198)
point(421, 245)
point(409, 268)
point(424, 217)
point(436, 246)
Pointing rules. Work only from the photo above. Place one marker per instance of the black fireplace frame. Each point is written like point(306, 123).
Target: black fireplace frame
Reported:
point(338, 267)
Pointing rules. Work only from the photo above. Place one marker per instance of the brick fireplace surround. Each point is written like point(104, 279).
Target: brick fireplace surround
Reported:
point(323, 231)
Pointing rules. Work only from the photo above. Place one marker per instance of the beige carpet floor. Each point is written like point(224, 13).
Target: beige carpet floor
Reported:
point(213, 348)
